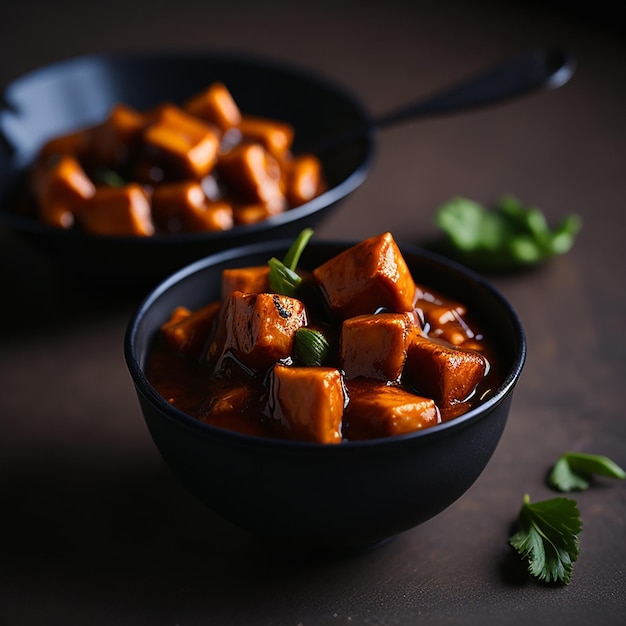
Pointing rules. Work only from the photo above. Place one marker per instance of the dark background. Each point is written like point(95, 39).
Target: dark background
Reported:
point(96, 531)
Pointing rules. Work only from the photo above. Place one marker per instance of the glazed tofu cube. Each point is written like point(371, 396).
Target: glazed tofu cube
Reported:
point(64, 181)
point(443, 372)
point(448, 322)
point(112, 141)
point(276, 137)
point(307, 402)
point(118, 211)
point(254, 175)
point(56, 214)
point(246, 279)
point(378, 410)
point(303, 179)
point(254, 213)
point(234, 403)
point(375, 346)
point(182, 141)
point(187, 332)
point(216, 106)
point(179, 314)
point(76, 143)
point(61, 188)
point(212, 216)
point(184, 206)
point(257, 329)
point(368, 276)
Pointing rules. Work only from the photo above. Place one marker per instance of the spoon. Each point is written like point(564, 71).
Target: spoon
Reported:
point(533, 70)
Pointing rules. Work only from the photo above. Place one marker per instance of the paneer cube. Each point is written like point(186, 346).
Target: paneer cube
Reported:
point(247, 279)
point(184, 206)
point(118, 211)
point(216, 106)
point(443, 372)
point(187, 332)
point(183, 141)
point(378, 410)
point(375, 346)
point(367, 276)
point(257, 329)
point(307, 402)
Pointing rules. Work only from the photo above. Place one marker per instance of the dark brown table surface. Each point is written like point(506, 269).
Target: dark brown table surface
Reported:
point(97, 531)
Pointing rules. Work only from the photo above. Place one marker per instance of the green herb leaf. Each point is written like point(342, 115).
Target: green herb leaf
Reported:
point(297, 248)
point(283, 278)
point(108, 177)
point(547, 537)
point(509, 235)
point(574, 470)
point(310, 347)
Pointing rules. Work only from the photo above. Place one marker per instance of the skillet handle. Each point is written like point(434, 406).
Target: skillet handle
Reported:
point(531, 71)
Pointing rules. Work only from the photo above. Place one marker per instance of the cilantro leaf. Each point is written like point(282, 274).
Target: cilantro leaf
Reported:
point(574, 470)
point(509, 235)
point(547, 537)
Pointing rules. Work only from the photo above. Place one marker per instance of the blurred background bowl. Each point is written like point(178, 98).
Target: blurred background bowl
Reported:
point(346, 496)
point(81, 91)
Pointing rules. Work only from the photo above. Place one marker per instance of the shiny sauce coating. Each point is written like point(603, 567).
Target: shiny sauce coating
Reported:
point(236, 397)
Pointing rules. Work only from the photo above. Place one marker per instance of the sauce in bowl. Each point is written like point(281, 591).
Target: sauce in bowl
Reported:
point(397, 357)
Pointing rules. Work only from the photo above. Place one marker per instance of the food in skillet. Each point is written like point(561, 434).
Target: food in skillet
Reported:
point(201, 166)
point(352, 350)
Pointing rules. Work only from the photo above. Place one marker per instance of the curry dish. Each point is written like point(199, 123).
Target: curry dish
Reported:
point(201, 166)
point(397, 357)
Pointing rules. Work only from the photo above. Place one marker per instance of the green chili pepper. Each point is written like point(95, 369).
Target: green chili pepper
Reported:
point(310, 347)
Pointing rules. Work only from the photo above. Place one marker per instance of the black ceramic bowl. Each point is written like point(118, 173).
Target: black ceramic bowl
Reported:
point(81, 91)
point(350, 495)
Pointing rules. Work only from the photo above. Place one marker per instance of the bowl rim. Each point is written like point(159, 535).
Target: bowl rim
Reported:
point(268, 63)
point(184, 420)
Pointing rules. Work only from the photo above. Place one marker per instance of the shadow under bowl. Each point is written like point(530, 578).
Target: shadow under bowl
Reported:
point(81, 91)
point(340, 497)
